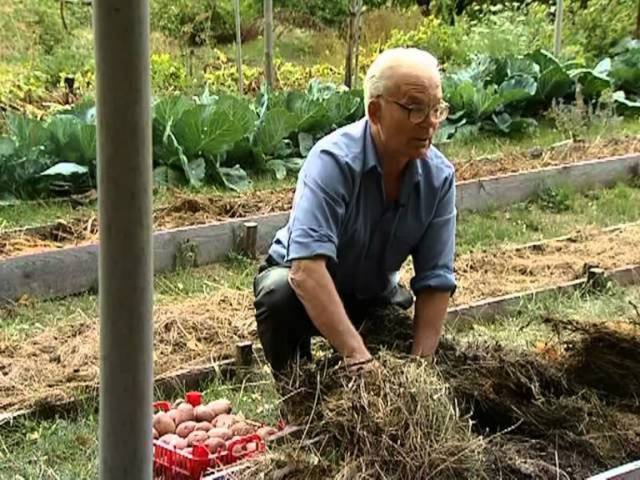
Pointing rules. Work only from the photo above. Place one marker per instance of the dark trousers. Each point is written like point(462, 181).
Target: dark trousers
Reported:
point(285, 329)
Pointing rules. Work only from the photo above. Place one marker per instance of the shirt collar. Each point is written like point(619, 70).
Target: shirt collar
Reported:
point(370, 154)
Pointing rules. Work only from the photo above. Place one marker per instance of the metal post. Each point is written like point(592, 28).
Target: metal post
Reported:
point(125, 264)
point(236, 4)
point(268, 43)
point(557, 38)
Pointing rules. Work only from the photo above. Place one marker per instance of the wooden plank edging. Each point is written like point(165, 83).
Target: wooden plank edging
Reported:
point(73, 270)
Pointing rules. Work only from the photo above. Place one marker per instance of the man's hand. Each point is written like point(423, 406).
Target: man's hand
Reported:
point(430, 310)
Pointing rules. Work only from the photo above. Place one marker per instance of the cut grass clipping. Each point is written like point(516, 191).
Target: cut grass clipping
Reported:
point(483, 411)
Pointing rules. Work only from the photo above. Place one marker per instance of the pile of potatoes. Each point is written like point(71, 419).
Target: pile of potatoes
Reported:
point(212, 425)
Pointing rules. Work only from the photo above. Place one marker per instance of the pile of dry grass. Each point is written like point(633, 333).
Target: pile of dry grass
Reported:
point(397, 423)
point(483, 411)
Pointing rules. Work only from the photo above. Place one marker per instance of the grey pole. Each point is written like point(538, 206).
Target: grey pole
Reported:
point(125, 263)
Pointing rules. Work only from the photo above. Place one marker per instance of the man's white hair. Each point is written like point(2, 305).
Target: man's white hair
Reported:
point(380, 73)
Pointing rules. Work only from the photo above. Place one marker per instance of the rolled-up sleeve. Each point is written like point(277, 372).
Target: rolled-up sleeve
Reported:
point(433, 257)
point(319, 207)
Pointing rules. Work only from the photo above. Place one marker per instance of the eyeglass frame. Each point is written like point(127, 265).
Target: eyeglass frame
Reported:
point(428, 111)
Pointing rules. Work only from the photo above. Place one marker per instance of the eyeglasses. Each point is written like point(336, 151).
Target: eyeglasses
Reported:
point(418, 113)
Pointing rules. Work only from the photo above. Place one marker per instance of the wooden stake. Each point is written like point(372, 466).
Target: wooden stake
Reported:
point(250, 239)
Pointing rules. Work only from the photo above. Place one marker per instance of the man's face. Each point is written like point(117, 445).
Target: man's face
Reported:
point(409, 90)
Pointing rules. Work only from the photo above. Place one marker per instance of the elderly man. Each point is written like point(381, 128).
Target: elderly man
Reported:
point(369, 195)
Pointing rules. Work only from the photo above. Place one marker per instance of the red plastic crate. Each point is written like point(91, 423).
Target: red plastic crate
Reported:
point(172, 464)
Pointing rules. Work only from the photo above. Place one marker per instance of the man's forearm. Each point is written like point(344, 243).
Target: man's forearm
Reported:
point(430, 311)
point(313, 285)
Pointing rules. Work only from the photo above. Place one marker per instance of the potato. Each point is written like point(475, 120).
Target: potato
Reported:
point(220, 406)
point(156, 435)
point(204, 413)
point(266, 432)
point(184, 413)
point(214, 444)
point(241, 429)
point(197, 436)
point(224, 420)
point(163, 424)
point(184, 429)
point(172, 415)
point(251, 447)
point(223, 433)
point(179, 402)
point(203, 426)
point(167, 438)
point(173, 440)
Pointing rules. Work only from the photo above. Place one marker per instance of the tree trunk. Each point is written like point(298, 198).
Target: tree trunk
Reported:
point(358, 28)
point(236, 5)
point(351, 27)
point(557, 37)
point(637, 32)
point(268, 43)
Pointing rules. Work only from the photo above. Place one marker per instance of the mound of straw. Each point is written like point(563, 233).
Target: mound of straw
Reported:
point(397, 423)
point(483, 411)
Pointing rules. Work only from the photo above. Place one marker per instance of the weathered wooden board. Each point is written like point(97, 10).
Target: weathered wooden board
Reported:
point(505, 190)
point(74, 270)
point(476, 311)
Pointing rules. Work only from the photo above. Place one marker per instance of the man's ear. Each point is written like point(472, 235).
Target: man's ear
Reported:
point(373, 111)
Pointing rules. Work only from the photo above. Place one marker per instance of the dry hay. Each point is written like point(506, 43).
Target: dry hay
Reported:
point(76, 231)
point(193, 210)
point(396, 423)
point(184, 210)
point(496, 272)
point(476, 166)
point(59, 362)
point(483, 411)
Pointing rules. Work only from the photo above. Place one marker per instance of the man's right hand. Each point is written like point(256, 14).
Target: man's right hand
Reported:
point(357, 367)
point(313, 285)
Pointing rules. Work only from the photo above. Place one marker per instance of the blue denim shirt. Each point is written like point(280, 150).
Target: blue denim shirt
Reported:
point(339, 212)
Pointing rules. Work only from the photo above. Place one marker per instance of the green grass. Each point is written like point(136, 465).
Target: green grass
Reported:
point(294, 45)
point(33, 213)
point(24, 214)
point(525, 328)
point(554, 213)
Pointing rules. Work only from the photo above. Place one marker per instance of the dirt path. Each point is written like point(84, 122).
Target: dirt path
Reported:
point(193, 209)
point(53, 364)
